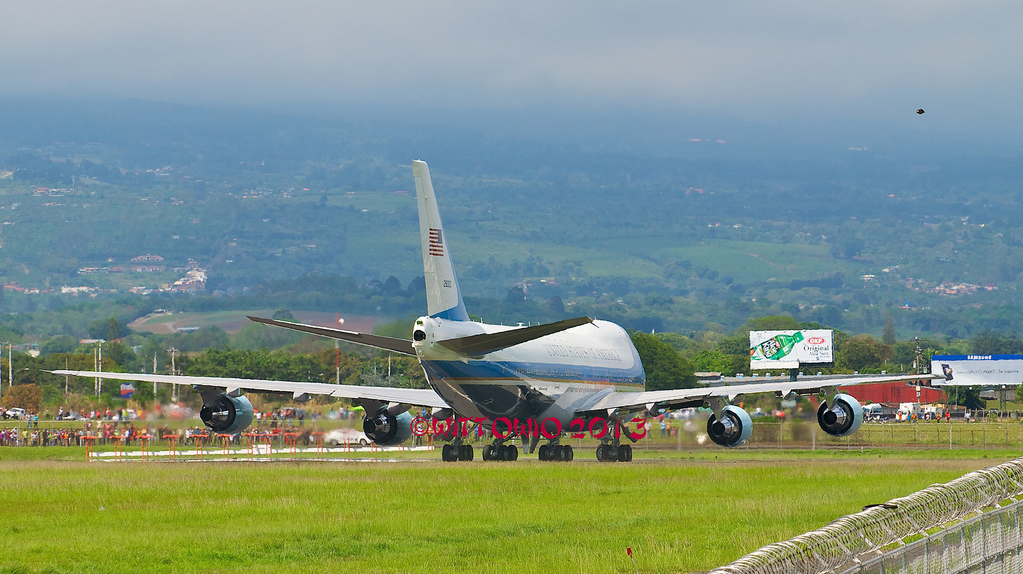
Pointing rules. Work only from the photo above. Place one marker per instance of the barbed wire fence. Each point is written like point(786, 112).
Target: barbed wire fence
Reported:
point(850, 542)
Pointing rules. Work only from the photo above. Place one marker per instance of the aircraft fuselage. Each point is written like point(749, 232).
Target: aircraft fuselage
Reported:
point(551, 377)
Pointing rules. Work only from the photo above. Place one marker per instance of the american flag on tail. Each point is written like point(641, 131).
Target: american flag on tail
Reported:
point(436, 242)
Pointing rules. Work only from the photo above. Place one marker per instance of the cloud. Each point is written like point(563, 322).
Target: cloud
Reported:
point(781, 55)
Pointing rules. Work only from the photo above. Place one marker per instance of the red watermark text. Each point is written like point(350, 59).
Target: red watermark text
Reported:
point(549, 428)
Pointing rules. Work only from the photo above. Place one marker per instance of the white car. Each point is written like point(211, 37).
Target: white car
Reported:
point(15, 413)
point(346, 435)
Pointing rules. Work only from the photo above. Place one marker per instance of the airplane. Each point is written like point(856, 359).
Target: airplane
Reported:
point(541, 382)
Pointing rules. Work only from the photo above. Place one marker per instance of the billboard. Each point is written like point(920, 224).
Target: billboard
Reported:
point(977, 370)
point(789, 349)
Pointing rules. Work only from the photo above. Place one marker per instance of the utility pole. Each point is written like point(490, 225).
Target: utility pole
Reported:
point(919, 360)
point(97, 362)
point(337, 353)
point(174, 386)
point(154, 372)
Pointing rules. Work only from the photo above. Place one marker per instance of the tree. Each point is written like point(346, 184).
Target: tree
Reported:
point(113, 330)
point(718, 362)
point(28, 397)
point(664, 367)
point(988, 342)
point(737, 345)
point(888, 337)
point(860, 352)
point(968, 397)
point(515, 295)
point(123, 355)
point(59, 344)
point(106, 328)
point(283, 315)
point(770, 323)
point(259, 364)
point(557, 305)
point(392, 285)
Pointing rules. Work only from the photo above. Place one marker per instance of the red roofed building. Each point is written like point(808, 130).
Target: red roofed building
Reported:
point(893, 393)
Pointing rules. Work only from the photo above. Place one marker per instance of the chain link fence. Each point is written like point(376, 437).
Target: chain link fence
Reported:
point(989, 542)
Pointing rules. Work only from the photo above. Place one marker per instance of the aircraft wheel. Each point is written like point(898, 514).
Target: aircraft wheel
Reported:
point(625, 453)
point(559, 453)
point(544, 453)
point(488, 452)
point(600, 453)
point(569, 453)
point(511, 453)
point(501, 452)
point(466, 453)
point(447, 454)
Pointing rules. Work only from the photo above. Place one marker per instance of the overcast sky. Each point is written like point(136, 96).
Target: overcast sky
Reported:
point(766, 60)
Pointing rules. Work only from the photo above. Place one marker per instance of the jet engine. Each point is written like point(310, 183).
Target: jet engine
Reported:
point(842, 416)
point(732, 429)
point(227, 414)
point(387, 429)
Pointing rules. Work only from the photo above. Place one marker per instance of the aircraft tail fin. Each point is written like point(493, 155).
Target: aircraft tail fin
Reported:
point(443, 297)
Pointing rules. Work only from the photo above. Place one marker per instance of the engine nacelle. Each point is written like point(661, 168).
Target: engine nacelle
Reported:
point(843, 416)
point(386, 429)
point(227, 414)
point(732, 429)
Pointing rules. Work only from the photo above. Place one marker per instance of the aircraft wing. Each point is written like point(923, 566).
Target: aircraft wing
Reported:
point(416, 397)
point(402, 346)
point(479, 345)
point(680, 398)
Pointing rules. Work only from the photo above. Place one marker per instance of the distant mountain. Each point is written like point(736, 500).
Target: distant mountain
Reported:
point(686, 221)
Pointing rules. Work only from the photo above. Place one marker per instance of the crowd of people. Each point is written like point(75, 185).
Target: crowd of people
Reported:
point(128, 434)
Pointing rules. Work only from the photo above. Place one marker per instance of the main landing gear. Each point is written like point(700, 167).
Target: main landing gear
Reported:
point(456, 451)
point(500, 451)
point(611, 448)
point(556, 453)
point(614, 453)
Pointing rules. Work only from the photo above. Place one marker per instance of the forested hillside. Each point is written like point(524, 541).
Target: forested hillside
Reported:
point(698, 231)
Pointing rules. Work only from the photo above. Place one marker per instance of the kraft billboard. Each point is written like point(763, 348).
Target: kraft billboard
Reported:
point(790, 349)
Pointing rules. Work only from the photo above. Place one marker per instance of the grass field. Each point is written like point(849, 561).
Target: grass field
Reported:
point(682, 513)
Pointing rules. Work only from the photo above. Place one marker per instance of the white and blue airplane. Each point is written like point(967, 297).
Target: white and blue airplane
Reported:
point(544, 382)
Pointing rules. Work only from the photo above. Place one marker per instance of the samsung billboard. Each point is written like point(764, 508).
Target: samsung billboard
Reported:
point(977, 370)
point(790, 349)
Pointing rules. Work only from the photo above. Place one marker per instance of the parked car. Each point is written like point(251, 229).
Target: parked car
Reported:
point(341, 436)
point(15, 413)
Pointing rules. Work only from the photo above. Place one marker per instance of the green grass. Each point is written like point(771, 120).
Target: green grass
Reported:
point(682, 515)
point(747, 261)
point(753, 261)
